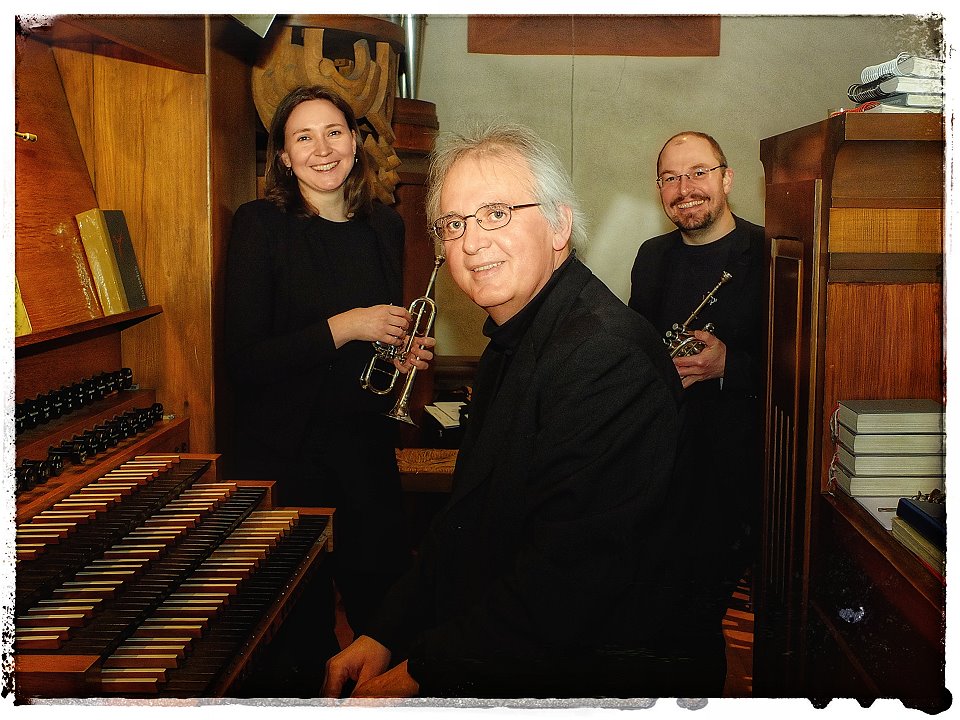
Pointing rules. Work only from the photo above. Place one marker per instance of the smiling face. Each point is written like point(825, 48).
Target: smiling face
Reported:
point(319, 147)
point(697, 207)
point(500, 270)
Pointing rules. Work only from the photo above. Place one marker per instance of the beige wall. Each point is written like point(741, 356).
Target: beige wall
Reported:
point(609, 117)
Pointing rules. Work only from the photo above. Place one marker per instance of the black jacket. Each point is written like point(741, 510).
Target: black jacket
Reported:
point(280, 354)
point(549, 572)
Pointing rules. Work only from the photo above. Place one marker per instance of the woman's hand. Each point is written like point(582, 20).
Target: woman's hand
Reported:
point(380, 323)
point(419, 357)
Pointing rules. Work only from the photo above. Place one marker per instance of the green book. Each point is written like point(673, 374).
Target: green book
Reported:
point(126, 259)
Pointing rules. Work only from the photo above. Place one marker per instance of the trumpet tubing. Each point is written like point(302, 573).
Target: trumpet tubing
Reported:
point(423, 311)
point(679, 340)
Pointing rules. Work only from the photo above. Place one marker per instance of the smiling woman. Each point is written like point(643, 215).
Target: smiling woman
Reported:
point(320, 150)
point(313, 278)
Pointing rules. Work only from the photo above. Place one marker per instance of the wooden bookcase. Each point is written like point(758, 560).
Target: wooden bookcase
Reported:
point(854, 227)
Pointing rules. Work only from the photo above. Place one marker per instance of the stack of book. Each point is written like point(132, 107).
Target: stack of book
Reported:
point(921, 525)
point(888, 449)
point(904, 84)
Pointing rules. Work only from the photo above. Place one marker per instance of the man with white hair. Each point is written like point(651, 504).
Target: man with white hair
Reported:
point(549, 572)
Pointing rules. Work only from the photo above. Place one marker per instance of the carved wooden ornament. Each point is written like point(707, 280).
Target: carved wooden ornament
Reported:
point(367, 84)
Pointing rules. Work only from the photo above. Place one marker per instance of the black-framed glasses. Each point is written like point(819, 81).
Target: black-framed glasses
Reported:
point(693, 176)
point(490, 217)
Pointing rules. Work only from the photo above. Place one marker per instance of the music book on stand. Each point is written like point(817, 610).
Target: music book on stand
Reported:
point(897, 415)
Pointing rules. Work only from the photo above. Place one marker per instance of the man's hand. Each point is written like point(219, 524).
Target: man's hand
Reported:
point(360, 661)
point(394, 683)
point(707, 365)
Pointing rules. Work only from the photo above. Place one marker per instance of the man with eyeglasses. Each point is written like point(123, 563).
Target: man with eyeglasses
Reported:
point(550, 572)
point(723, 383)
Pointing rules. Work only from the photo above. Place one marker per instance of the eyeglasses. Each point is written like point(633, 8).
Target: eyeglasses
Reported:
point(695, 176)
point(490, 217)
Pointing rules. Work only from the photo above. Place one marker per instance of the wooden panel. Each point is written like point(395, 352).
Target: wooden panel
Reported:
point(67, 364)
point(863, 230)
point(794, 236)
point(811, 152)
point(148, 145)
point(643, 35)
point(233, 181)
point(882, 341)
point(51, 266)
point(166, 41)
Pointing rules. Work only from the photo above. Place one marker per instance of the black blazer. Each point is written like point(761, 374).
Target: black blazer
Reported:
point(723, 433)
point(279, 350)
point(548, 574)
point(738, 313)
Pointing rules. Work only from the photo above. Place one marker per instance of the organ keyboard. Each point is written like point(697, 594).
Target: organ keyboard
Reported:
point(156, 580)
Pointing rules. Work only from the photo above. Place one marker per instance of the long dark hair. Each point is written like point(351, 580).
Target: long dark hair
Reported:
point(281, 186)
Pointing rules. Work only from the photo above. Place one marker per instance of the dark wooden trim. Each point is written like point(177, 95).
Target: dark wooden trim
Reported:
point(617, 35)
point(45, 339)
point(886, 267)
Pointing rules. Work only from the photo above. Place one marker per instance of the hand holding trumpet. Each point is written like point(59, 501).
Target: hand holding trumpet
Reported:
point(708, 364)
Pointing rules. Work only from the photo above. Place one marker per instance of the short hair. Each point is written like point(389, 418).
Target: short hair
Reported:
point(280, 185)
point(717, 150)
point(552, 186)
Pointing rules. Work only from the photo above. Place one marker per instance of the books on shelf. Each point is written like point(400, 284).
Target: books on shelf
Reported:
point(914, 100)
point(888, 87)
point(22, 323)
point(918, 544)
point(891, 443)
point(898, 415)
point(927, 518)
point(890, 465)
point(116, 225)
point(903, 65)
point(103, 263)
point(889, 486)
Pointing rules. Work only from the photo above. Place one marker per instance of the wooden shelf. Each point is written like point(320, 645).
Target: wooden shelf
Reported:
point(45, 339)
point(902, 560)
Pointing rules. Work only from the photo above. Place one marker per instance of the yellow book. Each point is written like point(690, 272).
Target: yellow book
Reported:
point(21, 319)
point(103, 262)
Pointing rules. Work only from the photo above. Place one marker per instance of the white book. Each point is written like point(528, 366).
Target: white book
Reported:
point(888, 108)
point(899, 415)
point(891, 443)
point(883, 509)
point(903, 64)
point(890, 465)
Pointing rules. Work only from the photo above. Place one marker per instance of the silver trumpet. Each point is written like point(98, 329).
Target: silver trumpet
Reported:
point(679, 340)
point(423, 310)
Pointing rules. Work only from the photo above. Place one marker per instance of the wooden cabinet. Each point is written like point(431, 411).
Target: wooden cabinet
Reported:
point(163, 127)
point(854, 226)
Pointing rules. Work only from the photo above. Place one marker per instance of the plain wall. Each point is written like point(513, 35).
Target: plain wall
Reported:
point(609, 117)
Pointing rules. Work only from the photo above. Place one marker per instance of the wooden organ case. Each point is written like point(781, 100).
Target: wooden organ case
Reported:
point(854, 226)
point(139, 573)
